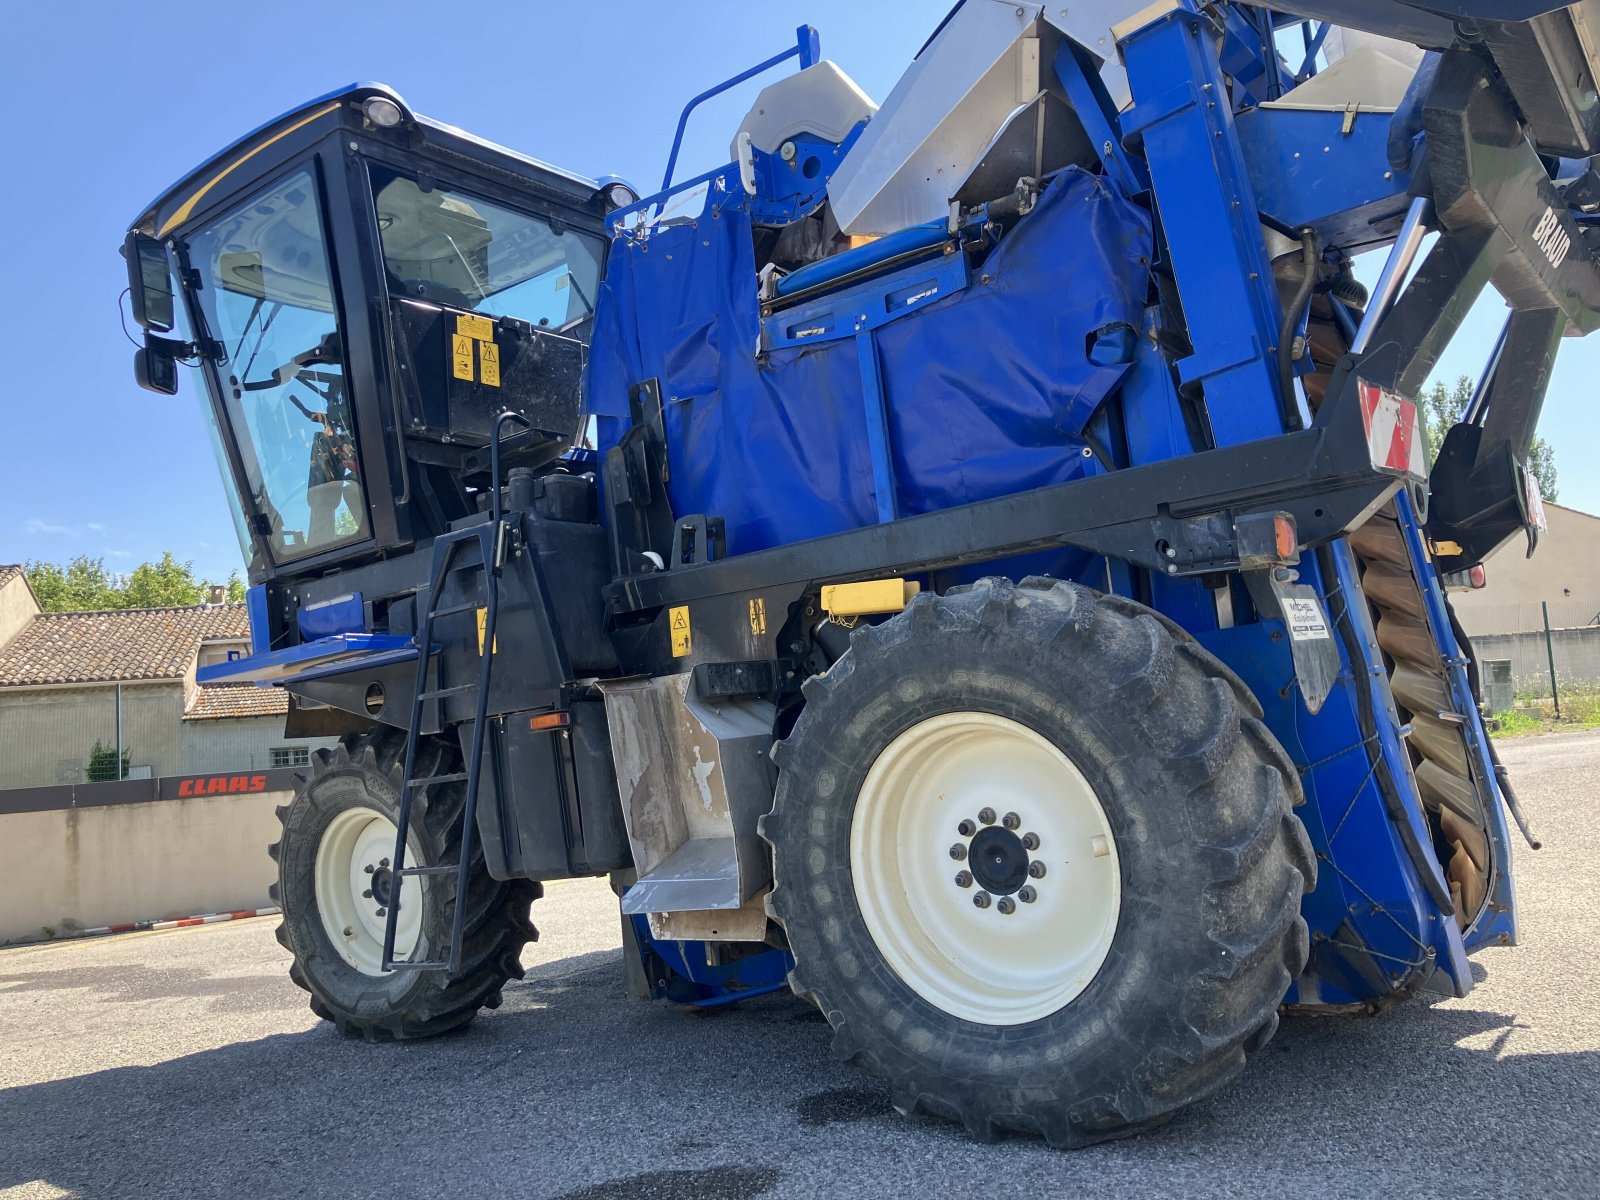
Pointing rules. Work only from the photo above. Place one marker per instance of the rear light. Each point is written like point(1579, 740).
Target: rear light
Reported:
point(1477, 577)
point(550, 720)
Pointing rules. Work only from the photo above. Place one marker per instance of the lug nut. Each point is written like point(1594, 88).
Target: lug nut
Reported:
point(966, 829)
point(981, 900)
point(1007, 905)
point(963, 878)
point(383, 912)
point(1030, 841)
point(367, 895)
point(986, 815)
point(369, 868)
point(383, 862)
point(958, 851)
point(1011, 821)
point(1036, 869)
point(1027, 895)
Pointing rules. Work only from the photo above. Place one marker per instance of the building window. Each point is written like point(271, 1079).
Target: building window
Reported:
point(291, 756)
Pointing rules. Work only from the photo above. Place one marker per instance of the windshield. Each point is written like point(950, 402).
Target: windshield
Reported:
point(466, 252)
point(266, 298)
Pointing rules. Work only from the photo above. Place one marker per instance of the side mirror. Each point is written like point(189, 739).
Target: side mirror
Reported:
point(156, 366)
point(149, 282)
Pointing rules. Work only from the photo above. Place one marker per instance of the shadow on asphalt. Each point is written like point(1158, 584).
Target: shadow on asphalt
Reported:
point(570, 1091)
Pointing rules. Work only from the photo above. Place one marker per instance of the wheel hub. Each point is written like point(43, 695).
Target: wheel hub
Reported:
point(999, 860)
point(382, 882)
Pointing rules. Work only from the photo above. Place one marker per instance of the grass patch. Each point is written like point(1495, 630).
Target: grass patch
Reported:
point(1580, 709)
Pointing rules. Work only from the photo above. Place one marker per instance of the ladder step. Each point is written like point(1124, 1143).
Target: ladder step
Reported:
point(436, 965)
point(428, 780)
point(456, 608)
point(460, 689)
point(426, 871)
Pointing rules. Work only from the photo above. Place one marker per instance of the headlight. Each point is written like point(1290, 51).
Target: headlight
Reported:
point(620, 195)
point(382, 112)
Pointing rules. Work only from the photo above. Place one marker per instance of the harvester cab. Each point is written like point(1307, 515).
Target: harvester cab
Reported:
point(970, 560)
point(364, 292)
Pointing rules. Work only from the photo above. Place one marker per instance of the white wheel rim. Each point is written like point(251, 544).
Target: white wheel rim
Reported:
point(984, 965)
point(353, 855)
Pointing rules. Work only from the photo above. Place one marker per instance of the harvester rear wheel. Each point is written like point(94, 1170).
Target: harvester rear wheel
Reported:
point(335, 879)
point(1036, 859)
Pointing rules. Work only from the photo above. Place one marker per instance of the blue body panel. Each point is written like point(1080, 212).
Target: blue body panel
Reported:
point(331, 655)
point(933, 384)
point(983, 391)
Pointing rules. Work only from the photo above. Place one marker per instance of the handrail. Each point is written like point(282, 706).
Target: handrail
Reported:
point(807, 48)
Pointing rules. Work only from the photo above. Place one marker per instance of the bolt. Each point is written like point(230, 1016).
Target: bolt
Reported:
point(958, 852)
point(348, 932)
point(367, 895)
point(1030, 841)
point(1171, 552)
point(1088, 453)
point(981, 900)
point(1011, 821)
point(964, 879)
point(986, 815)
point(383, 862)
point(966, 829)
point(1036, 869)
point(1027, 895)
point(1007, 905)
point(368, 868)
point(383, 912)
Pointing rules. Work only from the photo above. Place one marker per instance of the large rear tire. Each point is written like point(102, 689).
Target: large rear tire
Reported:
point(334, 881)
point(1035, 856)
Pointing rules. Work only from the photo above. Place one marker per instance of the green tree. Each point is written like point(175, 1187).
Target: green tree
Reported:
point(82, 585)
point(103, 765)
point(165, 584)
point(1442, 407)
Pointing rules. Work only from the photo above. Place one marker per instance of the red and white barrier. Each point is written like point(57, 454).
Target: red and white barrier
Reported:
point(147, 926)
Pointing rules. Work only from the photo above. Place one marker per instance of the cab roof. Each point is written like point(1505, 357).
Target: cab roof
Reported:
point(211, 179)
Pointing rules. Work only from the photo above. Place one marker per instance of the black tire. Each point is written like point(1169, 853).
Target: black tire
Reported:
point(1197, 792)
point(365, 771)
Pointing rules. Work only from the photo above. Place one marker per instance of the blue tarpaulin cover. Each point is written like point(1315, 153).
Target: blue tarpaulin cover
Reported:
point(987, 391)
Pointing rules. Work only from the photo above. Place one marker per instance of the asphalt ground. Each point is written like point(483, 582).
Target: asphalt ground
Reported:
point(185, 1064)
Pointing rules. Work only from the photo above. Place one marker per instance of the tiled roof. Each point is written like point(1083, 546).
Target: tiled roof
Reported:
point(8, 572)
point(234, 700)
point(124, 644)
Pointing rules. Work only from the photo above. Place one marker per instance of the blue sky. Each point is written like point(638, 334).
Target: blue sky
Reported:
point(99, 125)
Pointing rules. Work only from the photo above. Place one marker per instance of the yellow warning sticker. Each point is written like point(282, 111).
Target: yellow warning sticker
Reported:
point(483, 627)
point(758, 617)
point(489, 363)
point(461, 354)
point(478, 328)
point(682, 635)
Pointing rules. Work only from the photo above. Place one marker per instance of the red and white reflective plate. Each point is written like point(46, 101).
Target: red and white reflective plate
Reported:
point(1394, 430)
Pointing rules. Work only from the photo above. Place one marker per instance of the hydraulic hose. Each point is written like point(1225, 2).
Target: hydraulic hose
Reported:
point(1291, 321)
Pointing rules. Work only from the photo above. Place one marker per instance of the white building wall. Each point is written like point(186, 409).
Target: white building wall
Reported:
point(237, 745)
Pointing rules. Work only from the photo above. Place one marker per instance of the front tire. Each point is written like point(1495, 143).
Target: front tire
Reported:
point(1043, 739)
point(334, 880)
